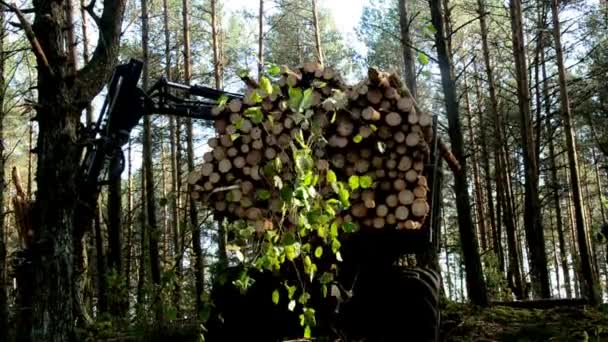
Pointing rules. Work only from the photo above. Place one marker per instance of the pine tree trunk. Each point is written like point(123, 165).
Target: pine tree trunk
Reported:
point(485, 159)
point(503, 184)
point(409, 59)
point(217, 72)
point(117, 307)
point(476, 288)
point(261, 39)
point(589, 284)
point(143, 271)
point(598, 181)
point(102, 292)
point(555, 261)
point(129, 224)
point(317, 30)
point(554, 181)
point(532, 215)
point(480, 215)
point(147, 142)
point(3, 272)
point(199, 263)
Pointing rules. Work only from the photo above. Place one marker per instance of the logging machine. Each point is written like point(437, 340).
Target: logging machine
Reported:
point(385, 301)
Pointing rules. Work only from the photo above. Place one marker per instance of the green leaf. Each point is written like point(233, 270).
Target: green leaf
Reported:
point(423, 58)
point(431, 28)
point(353, 182)
point(373, 128)
point(255, 114)
point(357, 138)
point(318, 252)
point(291, 305)
point(331, 177)
point(265, 85)
point(307, 332)
point(295, 98)
point(275, 296)
point(349, 227)
point(235, 136)
point(262, 194)
point(366, 182)
point(222, 100)
point(324, 290)
point(304, 297)
point(335, 245)
point(291, 290)
point(326, 278)
point(306, 100)
point(290, 252)
point(273, 70)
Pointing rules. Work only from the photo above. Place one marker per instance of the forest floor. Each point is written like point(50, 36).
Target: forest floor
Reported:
point(462, 322)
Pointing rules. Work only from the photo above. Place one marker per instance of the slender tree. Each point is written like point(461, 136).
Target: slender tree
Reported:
point(476, 288)
point(261, 39)
point(589, 281)
point(199, 263)
point(151, 221)
point(409, 59)
point(532, 215)
point(3, 273)
point(317, 31)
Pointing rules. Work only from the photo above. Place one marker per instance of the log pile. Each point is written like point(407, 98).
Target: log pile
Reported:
point(374, 139)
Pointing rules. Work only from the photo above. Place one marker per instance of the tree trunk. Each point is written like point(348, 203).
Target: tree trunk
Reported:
point(152, 224)
point(485, 159)
point(3, 273)
point(85, 53)
point(143, 271)
point(129, 224)
point(409, 59)
point(502, 185)
point(589, 284)
point(553, 180)
point(598, 180)
point(475, 282)
point(317, 30)
point(63, 210)
point(480, 215)
point(532, 215)
point(199, 264)
point(117, 305)
point(222, 254)
point(261, 40)
point(102, 293)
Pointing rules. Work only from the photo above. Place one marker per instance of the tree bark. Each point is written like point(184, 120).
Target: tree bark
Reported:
point(199, 263)
point(475, 282)
point(63, 210)
point(409, 59)
point(502, 184)
point(117, 307)
point(553, 180)
point(152, 224)
point(222, 253)
point(317, 30)
point(261, 40)
point(3, 272)
point(532, 215)
point(480, 215)
point(589, 282)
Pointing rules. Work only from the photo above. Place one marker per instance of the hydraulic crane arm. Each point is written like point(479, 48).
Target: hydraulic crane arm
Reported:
point(125, 104)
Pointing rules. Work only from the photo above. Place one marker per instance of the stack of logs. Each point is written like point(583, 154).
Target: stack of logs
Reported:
point(371, 129)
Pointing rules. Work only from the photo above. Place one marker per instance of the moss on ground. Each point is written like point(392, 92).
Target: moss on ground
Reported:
point(461, 322)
